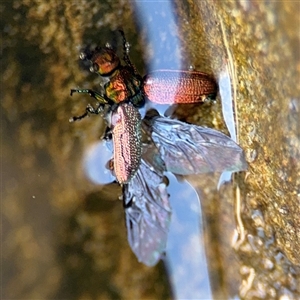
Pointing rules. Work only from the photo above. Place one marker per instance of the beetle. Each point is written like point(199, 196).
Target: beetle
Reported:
point(145, 148)
point(126, 85)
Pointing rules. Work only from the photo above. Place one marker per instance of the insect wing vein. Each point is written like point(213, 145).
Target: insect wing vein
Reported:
point(147, 213)
point(190, 149)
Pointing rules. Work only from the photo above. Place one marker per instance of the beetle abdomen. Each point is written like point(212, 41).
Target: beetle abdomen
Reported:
point(175, 86)
point(126, 122)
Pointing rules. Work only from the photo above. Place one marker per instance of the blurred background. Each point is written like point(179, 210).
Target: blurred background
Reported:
point(64, 235)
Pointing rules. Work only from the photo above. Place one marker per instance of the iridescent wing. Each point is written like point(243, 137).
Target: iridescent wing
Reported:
point(189, 149)
point(147, 209)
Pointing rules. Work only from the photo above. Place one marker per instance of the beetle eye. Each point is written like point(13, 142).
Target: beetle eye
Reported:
point(82, 56)
point(94, 68)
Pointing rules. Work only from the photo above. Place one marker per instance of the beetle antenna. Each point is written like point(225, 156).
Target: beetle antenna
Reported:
point(126, 58)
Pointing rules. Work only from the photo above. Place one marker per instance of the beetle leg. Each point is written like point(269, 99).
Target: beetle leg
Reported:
point(211, 97)
point(89, 110)
point(100, 98)
point(107, 134)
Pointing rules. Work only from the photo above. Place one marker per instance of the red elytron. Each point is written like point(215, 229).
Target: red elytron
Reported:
point(126, 131)
point(178, 87)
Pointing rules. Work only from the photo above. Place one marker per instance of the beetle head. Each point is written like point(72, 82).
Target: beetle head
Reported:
point(103, 60)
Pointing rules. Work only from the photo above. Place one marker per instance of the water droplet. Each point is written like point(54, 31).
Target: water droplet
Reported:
point(283, 210)
point(252, 200)
point(251, 155)
point(267, 264)
point(258, 219)
point(108, 45)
